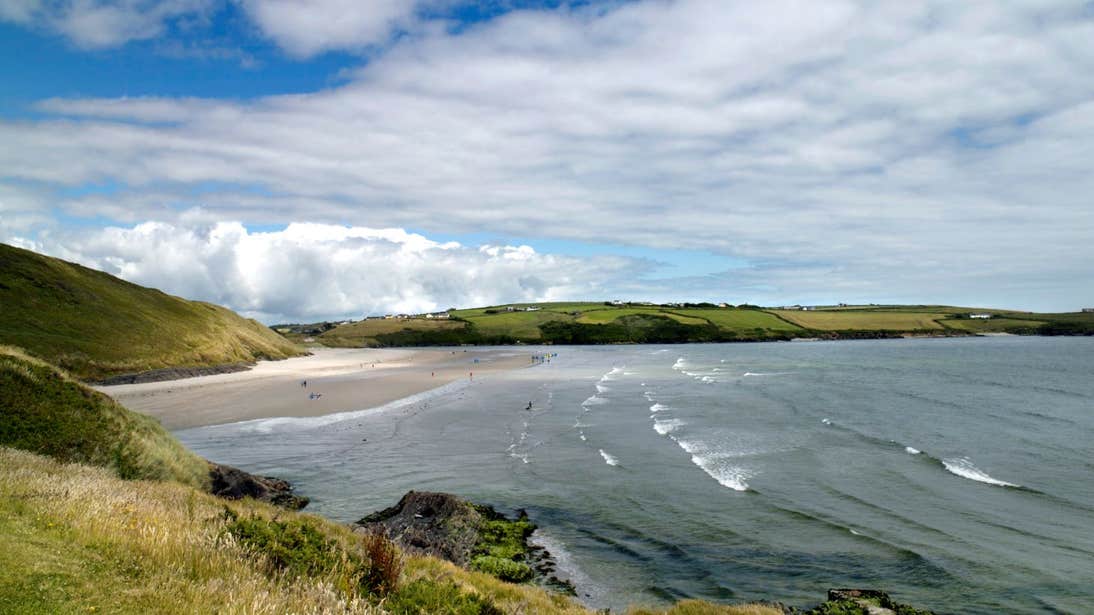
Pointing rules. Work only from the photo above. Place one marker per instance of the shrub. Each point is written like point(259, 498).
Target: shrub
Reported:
point(386, 564)
point(504, 569)
point(300, 547)
point(424, 597)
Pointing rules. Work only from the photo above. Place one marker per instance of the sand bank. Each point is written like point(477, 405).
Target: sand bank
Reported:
point(344, 380)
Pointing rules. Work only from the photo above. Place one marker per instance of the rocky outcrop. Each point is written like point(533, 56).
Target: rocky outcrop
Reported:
point(234, 484)
point(862, 602)
point(468, 535)
point(428, 523)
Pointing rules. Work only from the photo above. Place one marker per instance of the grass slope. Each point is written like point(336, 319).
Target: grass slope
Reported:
point(76, 539)
point(45, 411)
point(96, 325)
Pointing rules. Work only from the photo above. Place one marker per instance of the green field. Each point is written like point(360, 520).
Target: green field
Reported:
point(993, 325)
point(607, 315)
point(743, 320)
point(370, 332)
point(601, 323)
point(95, 325)
point(880, 320)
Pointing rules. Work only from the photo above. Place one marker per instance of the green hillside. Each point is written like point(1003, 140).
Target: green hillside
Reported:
point(95, 325)
point(608, 323)
point(45, 411)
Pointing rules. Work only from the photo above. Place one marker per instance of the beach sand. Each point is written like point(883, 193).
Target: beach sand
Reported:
point(345, 379)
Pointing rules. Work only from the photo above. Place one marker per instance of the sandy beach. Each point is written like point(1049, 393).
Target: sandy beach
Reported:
point(338, 380)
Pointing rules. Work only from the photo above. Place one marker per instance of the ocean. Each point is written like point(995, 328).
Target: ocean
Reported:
point(957, 474)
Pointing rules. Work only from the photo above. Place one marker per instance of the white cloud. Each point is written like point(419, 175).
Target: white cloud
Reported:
point(100, 24)
point(915, 145)
point(301, 28)
point(321, 271)
point(306, 27)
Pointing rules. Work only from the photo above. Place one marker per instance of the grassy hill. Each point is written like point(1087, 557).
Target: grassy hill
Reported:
point(605, 323)
point(45, 411)
point(95, 325)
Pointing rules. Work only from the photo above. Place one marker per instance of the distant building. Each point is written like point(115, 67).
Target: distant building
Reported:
point(617, 302)
point(531, 309)
point(980, 316)
point(723, 305)
point(808, 308)
point(510, 308)
point(1088, 309)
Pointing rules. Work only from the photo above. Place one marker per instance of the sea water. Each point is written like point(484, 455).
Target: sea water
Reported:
point(958, 474)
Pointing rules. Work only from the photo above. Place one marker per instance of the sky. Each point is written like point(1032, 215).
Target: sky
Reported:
point(303, 161)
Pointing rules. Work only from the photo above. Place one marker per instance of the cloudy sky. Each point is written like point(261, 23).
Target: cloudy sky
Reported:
point(302, 160)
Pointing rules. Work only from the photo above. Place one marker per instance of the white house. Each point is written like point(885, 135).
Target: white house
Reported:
point(980, 316)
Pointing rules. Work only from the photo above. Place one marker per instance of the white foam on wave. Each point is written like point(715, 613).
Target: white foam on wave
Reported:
point(707, 379)
point(961, 466)
point(732, 477)
point(854, 532)
point(602, 389)
point(611, 375)
point(826, 421)
point(719, 464)
point(911, 450)
point(594, 401)
point(648, 395)
point(609, 458)
point(658, 407)
point(583, 438)
point(679, 364)
point(667, 426)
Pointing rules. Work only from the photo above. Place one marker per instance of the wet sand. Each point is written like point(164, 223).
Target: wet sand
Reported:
point(344, 379)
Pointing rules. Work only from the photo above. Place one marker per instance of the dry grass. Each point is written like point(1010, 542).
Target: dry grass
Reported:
point(95, 543)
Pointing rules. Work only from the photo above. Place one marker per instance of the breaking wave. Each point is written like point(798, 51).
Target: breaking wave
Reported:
point(961, 466)
point(608, 458)
point(667, 426)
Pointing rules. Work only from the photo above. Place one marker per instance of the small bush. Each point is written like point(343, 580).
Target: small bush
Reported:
point(504, 569)
point(300, 547)
point(386, 564)
point(423, 597)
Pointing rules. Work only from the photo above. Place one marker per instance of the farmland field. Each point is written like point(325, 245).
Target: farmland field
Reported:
point(733, 319)
point(863, 321)
point(364, 333)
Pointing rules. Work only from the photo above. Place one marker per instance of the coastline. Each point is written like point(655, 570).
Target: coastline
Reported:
point(344, 379)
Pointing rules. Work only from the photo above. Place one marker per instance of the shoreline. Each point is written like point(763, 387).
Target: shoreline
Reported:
point(337, 381)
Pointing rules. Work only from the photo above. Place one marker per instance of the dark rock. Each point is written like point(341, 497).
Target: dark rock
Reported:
point(233, 484)
point(851, 594)
point(429, 523)
point(448, 527)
